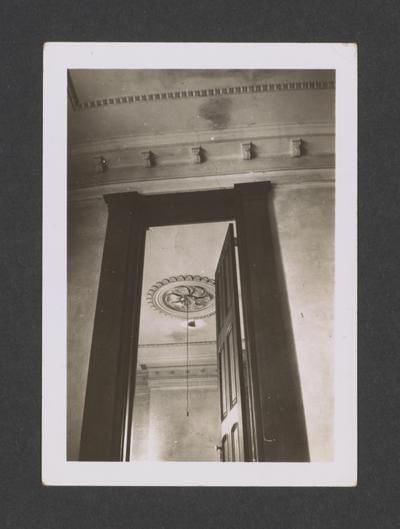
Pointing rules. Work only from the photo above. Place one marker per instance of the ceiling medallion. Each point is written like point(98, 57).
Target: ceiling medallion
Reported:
point(183, 295)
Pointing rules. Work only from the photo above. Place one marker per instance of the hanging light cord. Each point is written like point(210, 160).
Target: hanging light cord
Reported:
point(187, 358)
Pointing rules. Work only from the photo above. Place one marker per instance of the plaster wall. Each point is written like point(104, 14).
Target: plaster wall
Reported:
point(305, 228)
point(162, 432)
point(86, 232)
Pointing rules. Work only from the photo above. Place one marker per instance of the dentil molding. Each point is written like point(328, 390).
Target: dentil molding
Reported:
point(78, 105)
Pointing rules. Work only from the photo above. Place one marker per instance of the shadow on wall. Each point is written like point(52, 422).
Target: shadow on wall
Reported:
point(288, 409)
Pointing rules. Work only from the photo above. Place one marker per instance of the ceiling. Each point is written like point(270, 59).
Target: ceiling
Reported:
point(172, 251)
point(132, 129)
point(115, 112)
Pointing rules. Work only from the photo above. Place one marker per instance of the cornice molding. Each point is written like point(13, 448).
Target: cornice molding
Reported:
point(175, 377)
point(195, 382)
point(271, 154)
point(78, 105)
point(253, 132)
point(174, 344)
point(168, 355)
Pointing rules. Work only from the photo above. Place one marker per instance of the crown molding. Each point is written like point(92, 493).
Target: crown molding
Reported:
point(175, 377)
point(218, 164)
point(222, 154)
point(178, 95)
point(196, 382)
point(165, 355)
point(174, 344)
point(211, 136)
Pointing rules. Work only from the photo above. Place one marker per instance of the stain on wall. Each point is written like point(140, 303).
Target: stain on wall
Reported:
point(217, 112)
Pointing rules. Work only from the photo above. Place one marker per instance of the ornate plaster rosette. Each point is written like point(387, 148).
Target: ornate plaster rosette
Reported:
point(183, 295)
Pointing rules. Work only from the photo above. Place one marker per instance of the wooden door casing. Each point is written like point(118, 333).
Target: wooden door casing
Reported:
point(276, 414)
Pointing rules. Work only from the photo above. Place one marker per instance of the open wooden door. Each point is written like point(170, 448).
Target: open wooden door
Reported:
point(234, 442)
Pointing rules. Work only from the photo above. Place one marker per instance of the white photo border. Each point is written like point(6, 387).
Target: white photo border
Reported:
point(58, 58)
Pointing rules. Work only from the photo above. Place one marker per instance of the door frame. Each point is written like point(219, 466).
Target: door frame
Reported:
point(278, 423)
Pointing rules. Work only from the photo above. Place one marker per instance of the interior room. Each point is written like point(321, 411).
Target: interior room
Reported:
point(176, 403)
point(140, 290)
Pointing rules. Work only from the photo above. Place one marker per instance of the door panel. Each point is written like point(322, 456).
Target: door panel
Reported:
point(222, 381)
point(232, 369)
point(229, 347)
point(225, 448)
point(236, 452)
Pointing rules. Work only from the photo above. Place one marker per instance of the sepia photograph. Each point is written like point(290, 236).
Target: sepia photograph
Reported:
point(205, 274)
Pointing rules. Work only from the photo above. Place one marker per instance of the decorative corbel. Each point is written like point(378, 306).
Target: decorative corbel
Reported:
point(296, 147)
point(148, 158)
point(197, 154)
point(247, 151)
